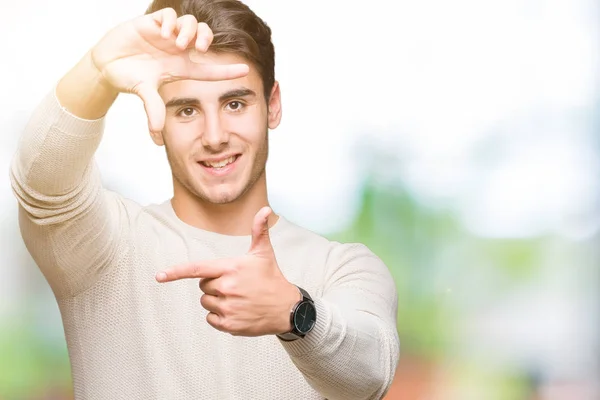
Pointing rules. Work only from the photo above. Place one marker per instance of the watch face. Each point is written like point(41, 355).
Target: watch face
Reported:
point(305, 317)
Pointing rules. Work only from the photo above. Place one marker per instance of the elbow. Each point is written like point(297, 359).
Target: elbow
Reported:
point(376, 385)
point(377, 380)
point(374, 381)
point(41, 205)
point(381, 382)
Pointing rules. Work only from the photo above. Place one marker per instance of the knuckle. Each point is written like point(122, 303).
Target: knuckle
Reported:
point(228, 287)
point(216, 321)
point(227, 325)
point(234, 267)
point(188, 20)
point(203, 301)
point(210, 319)
point(222, 289)
point(196, 270)
point(225, 309)
point(169, 11)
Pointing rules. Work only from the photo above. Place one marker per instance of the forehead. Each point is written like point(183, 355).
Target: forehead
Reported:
point(211, 90)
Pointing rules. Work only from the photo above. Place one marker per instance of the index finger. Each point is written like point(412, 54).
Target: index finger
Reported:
point(199, 269)
point(214, 72)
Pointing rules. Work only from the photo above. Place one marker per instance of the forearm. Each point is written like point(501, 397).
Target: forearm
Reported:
point(350, 354)
point(60, 139)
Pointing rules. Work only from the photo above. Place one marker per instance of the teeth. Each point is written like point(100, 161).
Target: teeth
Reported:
point(219, 164)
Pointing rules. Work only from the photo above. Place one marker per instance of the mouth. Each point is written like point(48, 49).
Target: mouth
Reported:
point(221, 163)
point(222, 167)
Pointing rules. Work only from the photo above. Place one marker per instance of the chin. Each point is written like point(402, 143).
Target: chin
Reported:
point(216, 196)
point(222, 198)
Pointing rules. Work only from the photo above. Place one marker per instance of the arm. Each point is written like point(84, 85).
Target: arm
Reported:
point(70, 225)
point(353, 350)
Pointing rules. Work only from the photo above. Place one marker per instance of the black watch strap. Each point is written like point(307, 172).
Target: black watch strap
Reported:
point(305, 295)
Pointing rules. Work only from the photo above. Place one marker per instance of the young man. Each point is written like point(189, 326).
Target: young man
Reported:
point(209, 295)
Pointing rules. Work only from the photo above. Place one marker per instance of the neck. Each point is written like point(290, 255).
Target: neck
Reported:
point(233, 219)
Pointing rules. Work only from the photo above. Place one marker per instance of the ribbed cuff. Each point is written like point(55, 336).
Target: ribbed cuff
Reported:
point(316, 336)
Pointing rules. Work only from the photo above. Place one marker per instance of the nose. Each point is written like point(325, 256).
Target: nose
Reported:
point(214, 137)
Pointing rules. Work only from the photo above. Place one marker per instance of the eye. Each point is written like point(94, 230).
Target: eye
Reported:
point(235, 106)
point(187, 112)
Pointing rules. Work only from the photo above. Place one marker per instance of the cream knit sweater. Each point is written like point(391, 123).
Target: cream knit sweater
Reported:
point(132, 338)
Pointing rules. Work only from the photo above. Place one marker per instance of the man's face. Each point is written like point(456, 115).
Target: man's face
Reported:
point(216, 133)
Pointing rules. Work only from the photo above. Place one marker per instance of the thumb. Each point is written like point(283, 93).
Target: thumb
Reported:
point(154, 106)
point(260, 232)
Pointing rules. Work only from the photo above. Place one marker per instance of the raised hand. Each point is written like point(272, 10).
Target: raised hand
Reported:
point(245, 296)
point(140, 55)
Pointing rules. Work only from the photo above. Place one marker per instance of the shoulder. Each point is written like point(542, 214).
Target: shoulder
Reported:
point(337, 253)
point(289, 234)
point(147, 212)
point(351, 272)
point(144, 219)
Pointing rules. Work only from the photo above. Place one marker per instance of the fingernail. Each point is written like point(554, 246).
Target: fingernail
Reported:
point(161, 276)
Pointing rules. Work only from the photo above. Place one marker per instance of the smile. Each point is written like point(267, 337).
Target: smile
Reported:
point(221, 163)
point(222, 167)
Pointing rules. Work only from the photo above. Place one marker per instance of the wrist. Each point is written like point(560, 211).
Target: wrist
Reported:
point(303, 317)
point(84, 92)
point(97, 74)
point(292, 297)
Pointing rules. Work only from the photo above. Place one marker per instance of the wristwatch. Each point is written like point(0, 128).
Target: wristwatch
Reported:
point(302, 318)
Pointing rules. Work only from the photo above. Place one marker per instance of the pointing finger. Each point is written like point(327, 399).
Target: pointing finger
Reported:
point(200, 269)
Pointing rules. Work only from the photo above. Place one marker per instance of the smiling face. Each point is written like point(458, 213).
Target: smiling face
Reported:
point(215, 134)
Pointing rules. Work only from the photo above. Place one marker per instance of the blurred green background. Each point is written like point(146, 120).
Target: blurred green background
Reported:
point(461, 145)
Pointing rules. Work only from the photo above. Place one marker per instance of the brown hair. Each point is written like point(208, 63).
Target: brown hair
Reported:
point(236, 29)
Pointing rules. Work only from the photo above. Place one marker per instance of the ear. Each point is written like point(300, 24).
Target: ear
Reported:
point(274, 116)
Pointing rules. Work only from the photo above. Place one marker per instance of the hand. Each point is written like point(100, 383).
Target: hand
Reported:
point(140, 55)
point(245, 296)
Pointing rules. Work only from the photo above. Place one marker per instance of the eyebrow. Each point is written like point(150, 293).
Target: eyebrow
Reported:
point(192, 101)
point(241, 92)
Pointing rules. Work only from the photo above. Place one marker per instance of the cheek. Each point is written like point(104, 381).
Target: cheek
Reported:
point(179, 139)
point(250, 128)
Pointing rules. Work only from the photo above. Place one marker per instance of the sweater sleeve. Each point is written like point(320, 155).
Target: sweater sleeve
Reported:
point(69, 223)
point(353, 350)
